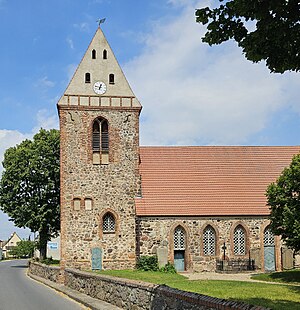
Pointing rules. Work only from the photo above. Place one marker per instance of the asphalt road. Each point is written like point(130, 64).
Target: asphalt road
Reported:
point(19, 292)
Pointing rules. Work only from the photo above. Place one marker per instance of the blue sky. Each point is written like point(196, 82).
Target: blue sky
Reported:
point(193, 93)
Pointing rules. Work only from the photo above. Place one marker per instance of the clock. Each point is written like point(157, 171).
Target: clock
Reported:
point(99, 88)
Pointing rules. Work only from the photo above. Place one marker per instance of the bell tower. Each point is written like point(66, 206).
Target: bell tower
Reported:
point(99, 128)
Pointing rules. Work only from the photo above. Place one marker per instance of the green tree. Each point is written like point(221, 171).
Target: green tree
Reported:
point(275, 39)
point(284, 201)
point(29, 187)
point(24, 248)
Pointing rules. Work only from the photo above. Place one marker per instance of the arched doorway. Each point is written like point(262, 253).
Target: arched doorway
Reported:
point(179, 248)
point(269, 250)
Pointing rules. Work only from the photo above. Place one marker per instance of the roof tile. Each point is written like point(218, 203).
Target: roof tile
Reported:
point(209, 180)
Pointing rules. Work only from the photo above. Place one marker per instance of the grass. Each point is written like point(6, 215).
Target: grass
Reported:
point(274, 296)
point(290, 276)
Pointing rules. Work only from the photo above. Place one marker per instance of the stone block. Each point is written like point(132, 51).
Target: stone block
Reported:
point(162, 256)
point(287, 258)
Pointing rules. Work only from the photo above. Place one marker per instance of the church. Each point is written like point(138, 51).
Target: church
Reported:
point(198, 207)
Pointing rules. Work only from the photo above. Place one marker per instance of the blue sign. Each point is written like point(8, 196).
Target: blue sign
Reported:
point(52, 245)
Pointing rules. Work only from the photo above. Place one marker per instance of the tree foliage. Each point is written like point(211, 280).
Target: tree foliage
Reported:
point(284, 201)
point(24, 248)
point(29, 187)
point(275, 39)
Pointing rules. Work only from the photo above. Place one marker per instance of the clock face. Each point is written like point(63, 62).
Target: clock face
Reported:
point(99, 88)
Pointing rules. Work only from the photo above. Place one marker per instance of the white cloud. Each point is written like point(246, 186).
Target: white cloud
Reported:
point(196, 94)
point(70, 43)
point(9, 138)
point(45, 120)
point(70, 69)
point(44, 84)
point(84, 26)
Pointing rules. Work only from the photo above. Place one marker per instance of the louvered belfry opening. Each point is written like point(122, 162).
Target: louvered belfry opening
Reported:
point(100, 143)
point(104, 136)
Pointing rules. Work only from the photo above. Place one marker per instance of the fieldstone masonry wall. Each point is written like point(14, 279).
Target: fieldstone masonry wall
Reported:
point(50, 273)
point(136, 295)
point(157, 232)
point(111, 187)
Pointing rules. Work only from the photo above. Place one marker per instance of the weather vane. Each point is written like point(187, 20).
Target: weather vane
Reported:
point(100, 21)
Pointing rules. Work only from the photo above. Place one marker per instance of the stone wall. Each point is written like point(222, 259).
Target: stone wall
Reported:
point(111, 187)
point(51, 273)
point(154, 233)
point(136, 295)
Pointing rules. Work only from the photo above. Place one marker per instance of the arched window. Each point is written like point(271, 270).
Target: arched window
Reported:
point(111, 79)
point(179, 238)
point(93, 54)
point(209, 241)
point(268, 237)
point(109, 223)
point(239, 241)
point(88, 77)
point(100, 141)
point(104, 54)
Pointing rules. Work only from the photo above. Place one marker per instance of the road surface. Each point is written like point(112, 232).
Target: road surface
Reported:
point(19, 292)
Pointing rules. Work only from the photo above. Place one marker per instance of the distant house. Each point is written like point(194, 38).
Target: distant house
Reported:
point(10, 244)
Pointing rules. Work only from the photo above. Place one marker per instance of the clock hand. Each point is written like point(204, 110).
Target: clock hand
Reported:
point(100, 86)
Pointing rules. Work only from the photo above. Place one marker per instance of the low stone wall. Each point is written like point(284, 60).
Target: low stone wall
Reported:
point(134, 295)
point(51, 273)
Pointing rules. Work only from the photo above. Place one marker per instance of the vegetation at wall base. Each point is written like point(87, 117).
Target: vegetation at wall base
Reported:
point(274, 296)
point(147, 263)
point(47, 261)
point(150, 263)
point(168, 268)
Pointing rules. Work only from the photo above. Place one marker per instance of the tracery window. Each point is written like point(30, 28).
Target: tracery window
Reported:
point(239, 241)
point(209, 241)
point(109, 223)
point(179, 238)
point(268, 237)
point(100, 141)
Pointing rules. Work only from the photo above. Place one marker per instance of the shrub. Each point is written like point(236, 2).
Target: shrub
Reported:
point(147, 263)
point(49, 261)
point(168, 268)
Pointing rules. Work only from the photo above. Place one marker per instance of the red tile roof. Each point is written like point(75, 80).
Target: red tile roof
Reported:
point(209, 180)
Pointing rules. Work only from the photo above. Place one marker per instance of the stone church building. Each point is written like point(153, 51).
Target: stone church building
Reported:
point(192, 206)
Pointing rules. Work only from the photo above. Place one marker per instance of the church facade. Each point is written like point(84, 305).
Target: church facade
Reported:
point(191, 206)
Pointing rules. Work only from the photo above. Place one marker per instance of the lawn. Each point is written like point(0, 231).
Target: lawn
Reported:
point(274, 296)
point(290, 276)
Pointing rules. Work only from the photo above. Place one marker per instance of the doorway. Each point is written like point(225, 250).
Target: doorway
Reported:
point(179, 248)
point(269, 250)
